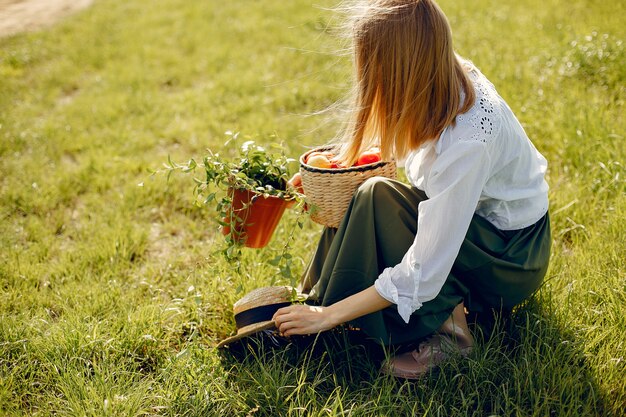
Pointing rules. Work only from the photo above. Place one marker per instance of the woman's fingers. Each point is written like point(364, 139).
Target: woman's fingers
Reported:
point(286, 326)
point(300, 319)
point(294, 328)
point(296, 182)
point(289, 328)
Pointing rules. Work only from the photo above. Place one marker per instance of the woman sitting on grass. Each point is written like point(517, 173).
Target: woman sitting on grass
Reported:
point(470, 232)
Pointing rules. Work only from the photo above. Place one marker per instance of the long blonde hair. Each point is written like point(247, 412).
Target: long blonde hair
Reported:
point(408, 78)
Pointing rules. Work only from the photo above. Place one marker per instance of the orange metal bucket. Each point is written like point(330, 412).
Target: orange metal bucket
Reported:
point(259, 216)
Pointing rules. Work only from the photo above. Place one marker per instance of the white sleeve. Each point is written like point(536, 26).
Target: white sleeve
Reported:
point(454, 187)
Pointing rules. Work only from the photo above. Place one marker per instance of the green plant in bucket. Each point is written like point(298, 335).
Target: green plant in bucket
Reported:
point(249, 193)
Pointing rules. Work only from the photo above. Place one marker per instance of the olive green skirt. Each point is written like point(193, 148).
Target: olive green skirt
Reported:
point(494, 270)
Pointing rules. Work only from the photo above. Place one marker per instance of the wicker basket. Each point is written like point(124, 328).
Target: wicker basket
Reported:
point(329, 191)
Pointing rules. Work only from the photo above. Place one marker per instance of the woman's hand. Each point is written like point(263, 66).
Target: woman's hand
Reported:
point(296, 182)
point(303, 319)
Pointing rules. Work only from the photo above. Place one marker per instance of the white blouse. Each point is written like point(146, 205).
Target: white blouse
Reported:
point(484, 164)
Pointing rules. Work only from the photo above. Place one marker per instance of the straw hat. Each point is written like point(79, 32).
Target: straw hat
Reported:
point(253, 313)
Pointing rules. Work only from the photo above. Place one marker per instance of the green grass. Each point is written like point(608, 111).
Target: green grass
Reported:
point(112, 297)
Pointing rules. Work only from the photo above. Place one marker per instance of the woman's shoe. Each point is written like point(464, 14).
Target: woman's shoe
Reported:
point(452, 338)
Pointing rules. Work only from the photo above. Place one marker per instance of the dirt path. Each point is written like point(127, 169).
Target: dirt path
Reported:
point(24, 15)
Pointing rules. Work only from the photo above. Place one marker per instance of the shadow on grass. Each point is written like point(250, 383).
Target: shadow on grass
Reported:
point(526, 364)
point(534, 364)
point(348, 355)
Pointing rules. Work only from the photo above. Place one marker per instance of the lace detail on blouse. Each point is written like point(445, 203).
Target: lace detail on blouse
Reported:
point(482, 120)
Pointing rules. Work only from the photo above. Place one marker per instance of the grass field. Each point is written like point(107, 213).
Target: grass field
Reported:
point(112, 297)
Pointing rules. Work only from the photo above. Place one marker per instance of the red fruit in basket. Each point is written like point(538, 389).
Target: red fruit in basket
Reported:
point(318, 161)
point(369, 157)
